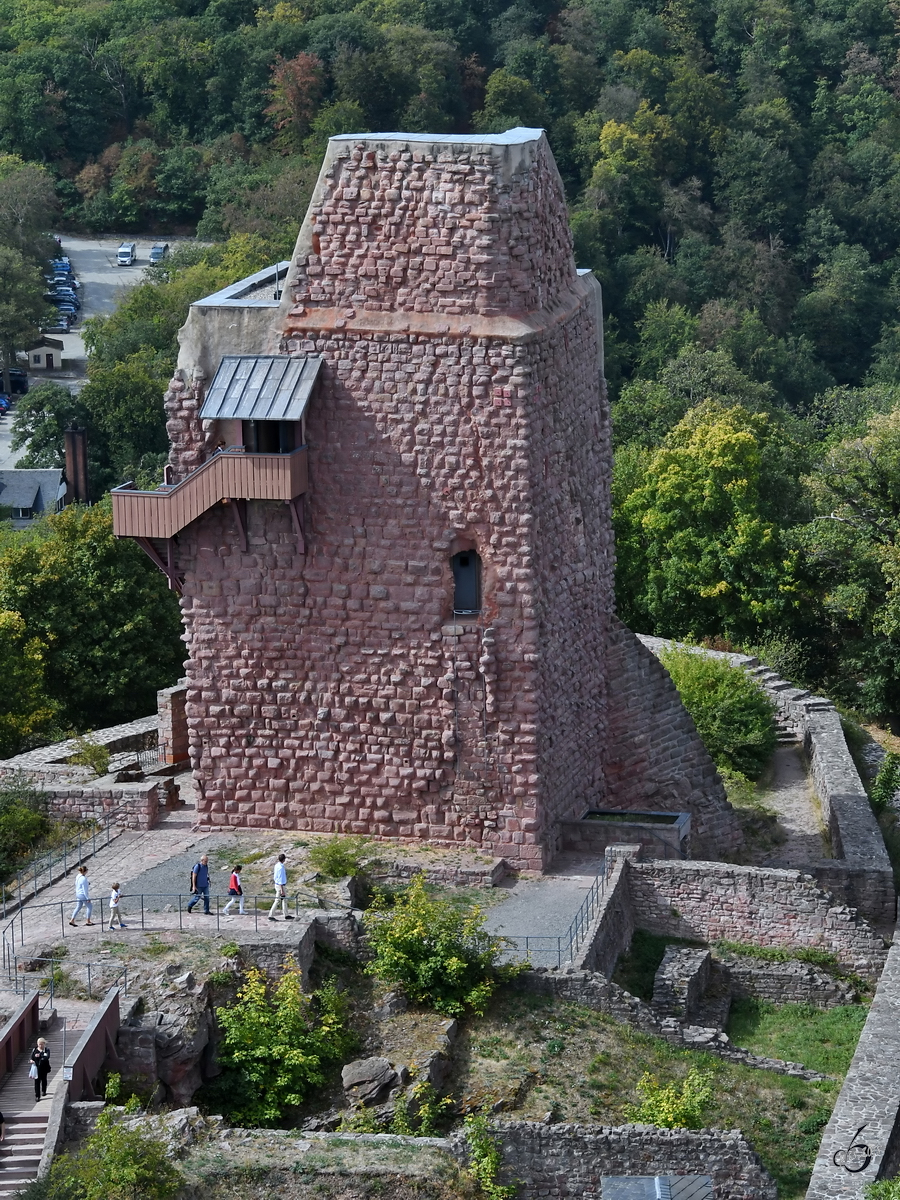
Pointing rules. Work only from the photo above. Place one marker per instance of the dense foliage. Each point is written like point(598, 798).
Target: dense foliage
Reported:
point(733, 715)
point(438, 955)
point(23, 821)
point(277, 1046)
point(115, 1161)
point(91, 630)
point(670, 1106)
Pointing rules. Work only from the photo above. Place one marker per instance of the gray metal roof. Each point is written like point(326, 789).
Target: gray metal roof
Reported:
point(264, 387)
point(38, 489)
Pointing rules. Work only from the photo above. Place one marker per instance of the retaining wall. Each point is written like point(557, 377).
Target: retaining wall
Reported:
point(612, 929)
point(766, 906)
point(861, 1142)
point(557, 1161)
point(655, 757)
point(860, 873)
point(790, 982)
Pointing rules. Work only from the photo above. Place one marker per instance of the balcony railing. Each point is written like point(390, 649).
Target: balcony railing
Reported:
point(229, 475)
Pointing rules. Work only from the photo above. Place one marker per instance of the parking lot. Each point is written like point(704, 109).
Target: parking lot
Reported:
point(103, 285)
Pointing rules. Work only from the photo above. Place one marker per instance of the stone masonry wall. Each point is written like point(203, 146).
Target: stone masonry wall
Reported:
point(336, 691)
point(655, 758)
point(558, 1161)
point(680, 982)
point(708, 901)
point(173, 730)
point(860, 874)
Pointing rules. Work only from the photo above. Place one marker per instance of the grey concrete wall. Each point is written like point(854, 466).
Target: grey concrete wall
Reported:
point(655, 758)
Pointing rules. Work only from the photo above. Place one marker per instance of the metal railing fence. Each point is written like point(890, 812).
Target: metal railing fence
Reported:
point(562, 948)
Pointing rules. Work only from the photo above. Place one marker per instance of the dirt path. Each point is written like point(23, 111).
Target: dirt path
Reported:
point(789, 792)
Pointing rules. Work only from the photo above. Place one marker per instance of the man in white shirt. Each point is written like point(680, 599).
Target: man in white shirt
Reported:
point(279, 877)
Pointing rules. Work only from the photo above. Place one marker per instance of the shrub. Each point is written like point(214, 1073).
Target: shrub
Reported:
point(672, 1107)
point(89, 753)
point(437, 954)
point(733, 715)
point(882, 1189)
point(124, 1163)
point(278, 1044)
point(339, 856)
point(23, 821)
point(887, 782)
point(485, 1159)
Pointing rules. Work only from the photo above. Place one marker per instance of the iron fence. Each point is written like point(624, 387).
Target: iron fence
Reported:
point(554, 950)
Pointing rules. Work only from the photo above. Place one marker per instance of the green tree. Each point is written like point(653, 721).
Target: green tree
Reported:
point(25, 710)
point(510, 101)
point(700, 533)
point(110, 628)
point(22, 307)
point(277, 1046)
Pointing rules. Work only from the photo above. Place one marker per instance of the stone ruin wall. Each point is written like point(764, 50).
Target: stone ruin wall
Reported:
point(460, 408)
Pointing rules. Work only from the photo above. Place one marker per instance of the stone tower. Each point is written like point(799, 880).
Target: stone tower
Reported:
point(388, 510)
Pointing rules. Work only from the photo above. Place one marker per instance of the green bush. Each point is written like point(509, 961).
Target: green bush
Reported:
point(672, 1107)
point(278, 1044)
point(887, 782)
point(882, 1189)
point(486, 1159)
point(89, 753)
point(118, 1163)
point(23, 821)
point(339, 856)
point(437, 954)
point(733, 715)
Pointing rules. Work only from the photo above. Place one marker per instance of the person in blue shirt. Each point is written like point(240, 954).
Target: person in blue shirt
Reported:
point(279, 878)
point(200, 884)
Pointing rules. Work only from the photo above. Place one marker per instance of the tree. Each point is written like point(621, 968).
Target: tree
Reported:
point(22, 308)
point(509, 101)
point(277, 1046)
point(297, 85)
point(699, 531)
point(25, 710)
point(109, 627)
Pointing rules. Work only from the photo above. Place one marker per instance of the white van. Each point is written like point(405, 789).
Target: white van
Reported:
point(127, 254)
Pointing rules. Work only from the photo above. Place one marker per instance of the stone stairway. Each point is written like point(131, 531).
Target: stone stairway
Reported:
point(25, 1118)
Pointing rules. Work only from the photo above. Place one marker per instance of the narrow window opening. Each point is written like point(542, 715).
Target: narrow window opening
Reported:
point(270, 437)
point(466, 582)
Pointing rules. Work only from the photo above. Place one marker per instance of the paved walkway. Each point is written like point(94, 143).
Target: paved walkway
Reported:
point(790, 793)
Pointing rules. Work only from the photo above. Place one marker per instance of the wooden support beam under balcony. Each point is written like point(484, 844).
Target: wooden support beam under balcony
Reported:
point(228, 475)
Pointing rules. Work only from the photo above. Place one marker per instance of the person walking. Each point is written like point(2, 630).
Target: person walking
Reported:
point(82, 896)
point(235, 891)
point(39, 1070)
point(279, 878)
point(200, 884)
point(115, 914)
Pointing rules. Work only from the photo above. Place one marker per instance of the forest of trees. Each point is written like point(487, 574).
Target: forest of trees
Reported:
point(733, 173)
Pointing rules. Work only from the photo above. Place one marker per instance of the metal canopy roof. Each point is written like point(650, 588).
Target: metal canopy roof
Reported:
point(264, 387)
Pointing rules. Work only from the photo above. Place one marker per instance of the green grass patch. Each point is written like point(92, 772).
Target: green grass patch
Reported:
point(636, 968)
point(586, 1067)
point(821, 1039)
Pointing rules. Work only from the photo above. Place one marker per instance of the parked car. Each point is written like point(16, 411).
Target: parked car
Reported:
point(159, 252)
point(62, 294)
point(62, 325)
point(5, 402)
point(18, 381)
point(127, 254)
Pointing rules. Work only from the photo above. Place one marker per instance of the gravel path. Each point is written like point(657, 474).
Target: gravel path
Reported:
point(790, 794)
point(541, 911)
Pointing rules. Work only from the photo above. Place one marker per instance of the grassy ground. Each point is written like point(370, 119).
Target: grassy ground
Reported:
point(547, 1056)
point(823, 1040)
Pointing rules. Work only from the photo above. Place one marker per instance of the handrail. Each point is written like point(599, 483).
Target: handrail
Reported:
point(18, 1032)
point(163, 512)
point(565, 946)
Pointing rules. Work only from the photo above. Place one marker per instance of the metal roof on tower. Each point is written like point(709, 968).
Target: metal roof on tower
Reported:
point(264, 387)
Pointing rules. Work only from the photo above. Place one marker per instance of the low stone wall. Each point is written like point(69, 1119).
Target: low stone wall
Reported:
point(132, 805)
point(861, 1142)
point(789, 982)
point(860, 873)
point(612, 929)
point(48, 764)
point(656, 759)
point(680, 982)
point(657, 841)
point(708, 902)
point(557, 1161)
point(595, 992)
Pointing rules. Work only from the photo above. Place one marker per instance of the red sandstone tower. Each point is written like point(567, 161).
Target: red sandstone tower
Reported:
point(388, 511)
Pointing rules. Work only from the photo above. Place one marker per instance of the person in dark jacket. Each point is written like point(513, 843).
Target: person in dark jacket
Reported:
point(40, 1060)
point(200, 884)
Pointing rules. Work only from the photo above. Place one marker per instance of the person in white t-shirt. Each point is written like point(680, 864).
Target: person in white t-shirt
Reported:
point(279, 878)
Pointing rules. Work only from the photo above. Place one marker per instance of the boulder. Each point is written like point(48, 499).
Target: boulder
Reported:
point(368, 1080)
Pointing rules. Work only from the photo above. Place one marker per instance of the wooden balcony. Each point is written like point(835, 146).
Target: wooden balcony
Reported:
point(229, 475)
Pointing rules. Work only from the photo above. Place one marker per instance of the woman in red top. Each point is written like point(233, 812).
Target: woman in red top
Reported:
point(235, 891)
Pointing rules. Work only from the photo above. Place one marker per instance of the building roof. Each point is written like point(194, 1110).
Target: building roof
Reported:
point(262, 289)
point(35, 489)
point(264, 387)
point(512, 137)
